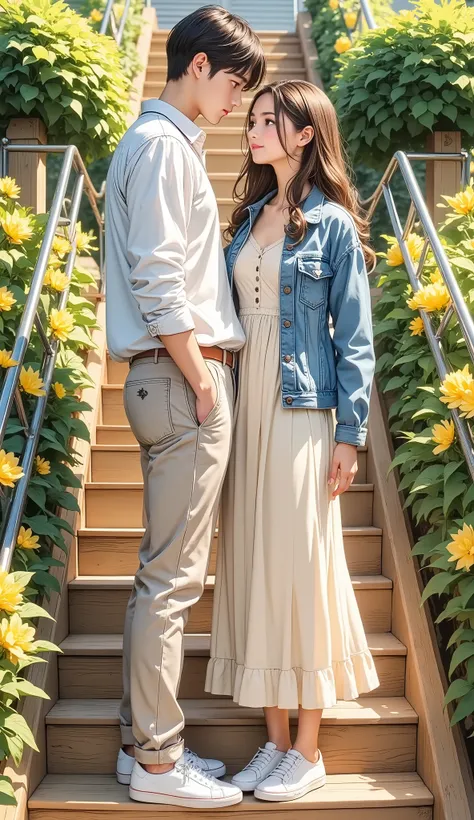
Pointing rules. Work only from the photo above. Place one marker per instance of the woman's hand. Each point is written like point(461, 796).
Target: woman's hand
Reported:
point(343, 468)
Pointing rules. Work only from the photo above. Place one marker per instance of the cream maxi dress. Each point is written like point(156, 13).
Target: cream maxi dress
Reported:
point(286, 626)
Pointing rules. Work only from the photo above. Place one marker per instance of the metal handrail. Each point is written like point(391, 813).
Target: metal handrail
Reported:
point(10, 393)
point(457, 306)
point(110, 25)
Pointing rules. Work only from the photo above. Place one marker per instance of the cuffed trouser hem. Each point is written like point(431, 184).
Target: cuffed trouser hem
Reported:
point(169, 755)
point(127, 735)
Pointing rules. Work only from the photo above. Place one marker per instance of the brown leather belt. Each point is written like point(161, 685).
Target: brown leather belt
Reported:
point(217, 353)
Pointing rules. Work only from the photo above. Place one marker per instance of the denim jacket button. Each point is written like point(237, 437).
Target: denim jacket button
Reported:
point(287, 289)
point(289, 400)
point(286, 323)
point(287, 358)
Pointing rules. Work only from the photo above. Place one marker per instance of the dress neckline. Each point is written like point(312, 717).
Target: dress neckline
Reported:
point(267, 247)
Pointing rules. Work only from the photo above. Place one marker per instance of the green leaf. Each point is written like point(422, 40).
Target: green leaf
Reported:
point(464, 708)
point(7, 794)
point(28, 92)
point(453, 488)
point(457, 689)
point(30, 610)
point(24, 687)
point(41, 53)
point(77, 107)
point(46, 646)
point(437, 585)
point(461, 654)
point(19, 726)
point(44, 579)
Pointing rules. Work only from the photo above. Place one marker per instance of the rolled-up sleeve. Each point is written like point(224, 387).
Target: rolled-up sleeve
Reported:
point(159, 196)
point(350, 309)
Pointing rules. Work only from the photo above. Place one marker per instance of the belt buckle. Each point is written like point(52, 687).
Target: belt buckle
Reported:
point(234, 358)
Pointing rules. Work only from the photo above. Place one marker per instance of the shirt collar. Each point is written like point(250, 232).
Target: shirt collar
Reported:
point(188, 128)
point(312, 205)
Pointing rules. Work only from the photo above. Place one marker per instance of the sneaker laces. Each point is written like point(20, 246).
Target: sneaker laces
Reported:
point(259, 760)
point(285, 766)
point(189, 767)
point(191, 756)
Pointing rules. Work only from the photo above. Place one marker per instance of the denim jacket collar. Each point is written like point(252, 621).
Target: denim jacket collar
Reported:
point(312, 206)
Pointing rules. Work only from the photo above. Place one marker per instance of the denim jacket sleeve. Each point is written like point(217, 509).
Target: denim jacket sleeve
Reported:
point(350, 308)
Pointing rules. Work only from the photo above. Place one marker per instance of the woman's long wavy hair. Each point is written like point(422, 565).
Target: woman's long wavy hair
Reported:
point(322, 162)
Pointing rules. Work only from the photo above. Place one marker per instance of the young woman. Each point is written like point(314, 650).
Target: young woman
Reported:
point(287, 632)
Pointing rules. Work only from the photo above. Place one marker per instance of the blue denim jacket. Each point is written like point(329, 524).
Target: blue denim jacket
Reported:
point(323, 276)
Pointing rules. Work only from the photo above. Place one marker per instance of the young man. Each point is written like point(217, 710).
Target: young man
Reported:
point(170, 314)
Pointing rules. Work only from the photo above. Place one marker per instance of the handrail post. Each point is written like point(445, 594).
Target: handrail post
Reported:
point(29, 170)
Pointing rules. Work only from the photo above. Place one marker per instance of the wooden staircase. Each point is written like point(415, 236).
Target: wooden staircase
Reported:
point(369, 745)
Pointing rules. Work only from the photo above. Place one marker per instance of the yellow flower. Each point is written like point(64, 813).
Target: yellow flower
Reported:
point(54, 261)
point(350, 19)
point(462, 547)
point(43, 467)
point(6, 359)
point(6, 299)
point(417, 327)
point(342, 44)
point(56, 279)
point(61, 245)
point(16, 638)
point(463, 202)
point(31, 382)
point(59, 389)
point(9, 188)
point(16, 227)
point(443, 436)
point(436, 276)
point(83, 239)
point(472, 243)
point(466, 407)
point(334, 4)
point(430, 298)
point(61, 323)
point(26, 540)
point(414, 244)
point(96, 15)
point(455, 385)
point(10, 592)
point(9, 470)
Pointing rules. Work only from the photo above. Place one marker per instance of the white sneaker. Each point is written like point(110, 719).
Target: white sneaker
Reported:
point(184, 785)
point(292, 778)
point(125, 765)
point(259, 768)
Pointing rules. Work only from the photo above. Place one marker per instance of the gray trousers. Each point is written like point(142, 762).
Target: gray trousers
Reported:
point(183, 466)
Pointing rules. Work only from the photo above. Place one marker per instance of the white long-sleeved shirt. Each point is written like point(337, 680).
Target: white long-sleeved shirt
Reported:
point(165, 266)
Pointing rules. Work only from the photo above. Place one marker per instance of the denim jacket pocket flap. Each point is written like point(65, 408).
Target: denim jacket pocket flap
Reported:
point(315, 282)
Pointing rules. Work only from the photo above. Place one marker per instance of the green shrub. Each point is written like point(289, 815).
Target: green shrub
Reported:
point(42, 528)
point(435, 480)
point(56, 68)
point(404, 80)
point(129, 58)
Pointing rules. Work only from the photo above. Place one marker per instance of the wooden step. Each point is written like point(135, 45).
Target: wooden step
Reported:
point(114, 434)
point(121, 462)
point(97, 604)
point(83, 736)
point(120, 505)
point(381, 796)
point(91, 666)
point(114, 551)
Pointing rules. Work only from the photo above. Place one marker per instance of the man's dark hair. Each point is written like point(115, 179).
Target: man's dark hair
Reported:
point(227, 40)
